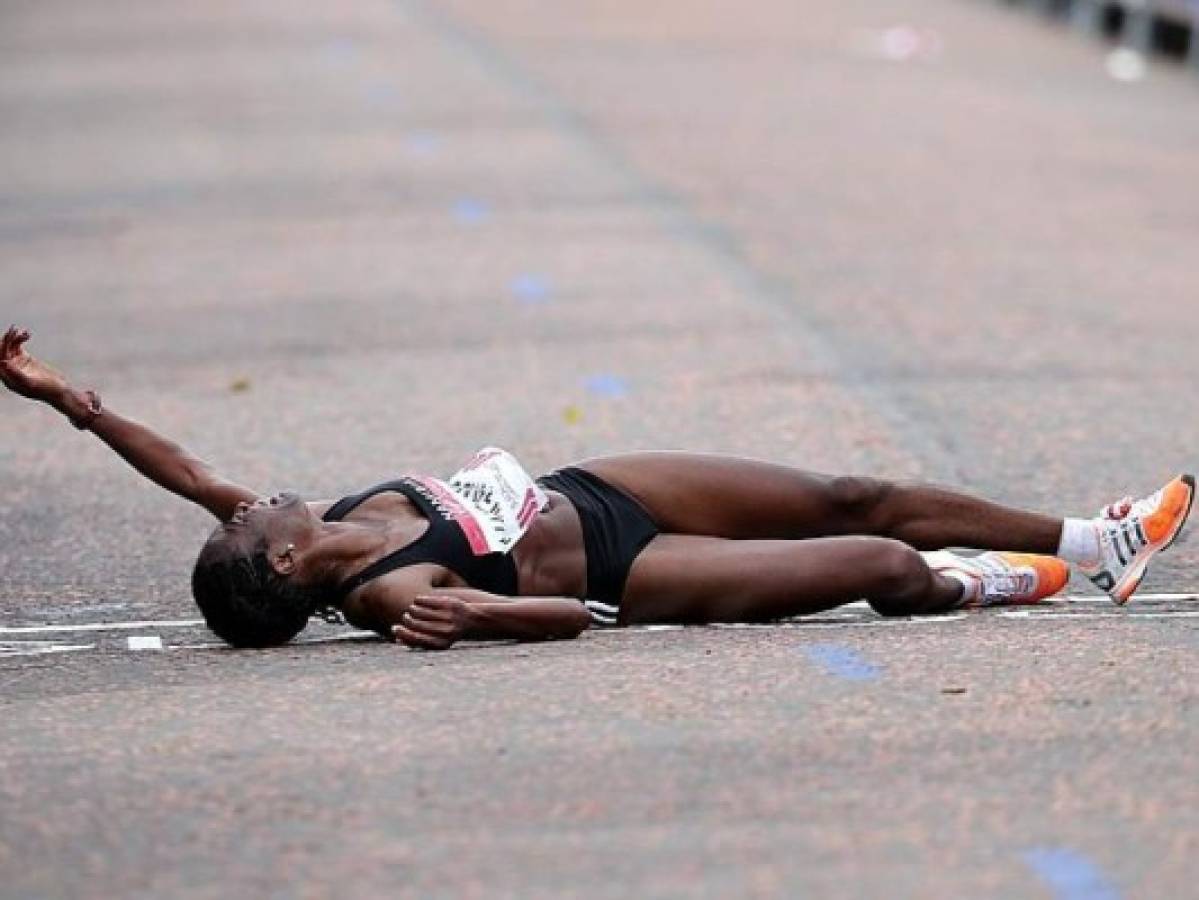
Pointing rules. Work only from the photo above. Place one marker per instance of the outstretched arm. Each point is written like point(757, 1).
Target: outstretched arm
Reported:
point(159, 459)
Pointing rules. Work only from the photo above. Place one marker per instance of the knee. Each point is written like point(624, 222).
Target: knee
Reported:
point(853, 495)
point(900, 576)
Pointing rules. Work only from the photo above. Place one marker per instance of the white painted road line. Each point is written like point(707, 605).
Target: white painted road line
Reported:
point(1046, 608)
point(1068, 599)
point(1114, 614)
point(836, 620)
point(816, 622)
point(101, 626)
point(324, 639)
point(35, 648)
point(1136, 598)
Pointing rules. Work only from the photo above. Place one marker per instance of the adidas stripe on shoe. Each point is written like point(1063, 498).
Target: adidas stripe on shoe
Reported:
point(1132, 533)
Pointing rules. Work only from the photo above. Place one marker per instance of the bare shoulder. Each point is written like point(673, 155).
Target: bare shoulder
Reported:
point(381, 602)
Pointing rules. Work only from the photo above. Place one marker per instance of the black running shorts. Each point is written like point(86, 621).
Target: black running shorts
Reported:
point(615, 529)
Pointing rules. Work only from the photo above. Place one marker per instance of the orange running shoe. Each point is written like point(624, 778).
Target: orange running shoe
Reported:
point(1130, 533)
point(1002, 579)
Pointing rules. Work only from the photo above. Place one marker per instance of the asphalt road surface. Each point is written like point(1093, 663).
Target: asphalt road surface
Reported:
point(320, 244)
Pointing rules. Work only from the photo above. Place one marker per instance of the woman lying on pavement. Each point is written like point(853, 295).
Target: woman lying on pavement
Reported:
point(491, 553)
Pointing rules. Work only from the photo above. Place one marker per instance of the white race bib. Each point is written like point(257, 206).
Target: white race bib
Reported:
point(492, 498)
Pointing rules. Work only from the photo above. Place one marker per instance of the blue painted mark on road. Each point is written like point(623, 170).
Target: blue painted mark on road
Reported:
point(530, 288)
point(339, 50)
point(1069, 874)
point(842, 661)
point(422, 143)
point(470, 211)
point(382, 94)
point(611, 386)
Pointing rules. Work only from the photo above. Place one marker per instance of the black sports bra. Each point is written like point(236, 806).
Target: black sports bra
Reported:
point(443, 543)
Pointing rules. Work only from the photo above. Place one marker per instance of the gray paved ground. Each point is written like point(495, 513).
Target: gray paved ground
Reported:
point(323, 244)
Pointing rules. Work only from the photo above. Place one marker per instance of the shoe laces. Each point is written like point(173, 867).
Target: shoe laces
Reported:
point(1127, 506)
point(1000, 579)
point(1118, 510)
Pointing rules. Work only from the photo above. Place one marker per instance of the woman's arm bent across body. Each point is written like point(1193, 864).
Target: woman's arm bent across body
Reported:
point(435, 621)
point(154, 456)
point(426, 617)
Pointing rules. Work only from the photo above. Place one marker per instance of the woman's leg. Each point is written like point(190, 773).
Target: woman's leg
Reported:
point(725, 496)
point(692, 579)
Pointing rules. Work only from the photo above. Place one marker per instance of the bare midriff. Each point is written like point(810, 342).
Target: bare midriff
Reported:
point(550, 559)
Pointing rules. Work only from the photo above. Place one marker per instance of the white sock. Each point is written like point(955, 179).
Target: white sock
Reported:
point(1080, 542)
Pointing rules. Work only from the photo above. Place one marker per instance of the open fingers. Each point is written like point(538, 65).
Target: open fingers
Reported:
point(12, 340)
point(8, 350)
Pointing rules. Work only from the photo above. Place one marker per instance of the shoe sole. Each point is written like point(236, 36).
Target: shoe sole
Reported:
point(942, 561)
point(1127, 586)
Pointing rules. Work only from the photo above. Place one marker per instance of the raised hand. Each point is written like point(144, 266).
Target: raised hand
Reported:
point(26, 375)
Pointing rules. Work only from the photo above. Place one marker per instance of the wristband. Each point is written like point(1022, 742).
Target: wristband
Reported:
point(90, 413)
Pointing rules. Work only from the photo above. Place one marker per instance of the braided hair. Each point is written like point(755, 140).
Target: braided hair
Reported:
point(246, 602)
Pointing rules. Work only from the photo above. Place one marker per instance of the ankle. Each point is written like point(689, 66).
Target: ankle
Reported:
point(958, 587)
point(1080, 542)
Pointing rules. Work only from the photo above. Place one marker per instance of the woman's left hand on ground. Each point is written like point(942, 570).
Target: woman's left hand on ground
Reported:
point(433, 622)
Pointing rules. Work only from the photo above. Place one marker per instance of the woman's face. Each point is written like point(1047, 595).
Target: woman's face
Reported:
point(275, 521)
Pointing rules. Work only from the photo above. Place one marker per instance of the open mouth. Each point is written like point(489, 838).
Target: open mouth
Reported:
point(244, 511)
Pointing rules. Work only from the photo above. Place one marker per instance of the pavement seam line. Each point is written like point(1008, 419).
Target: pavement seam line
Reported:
point(714, 241)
